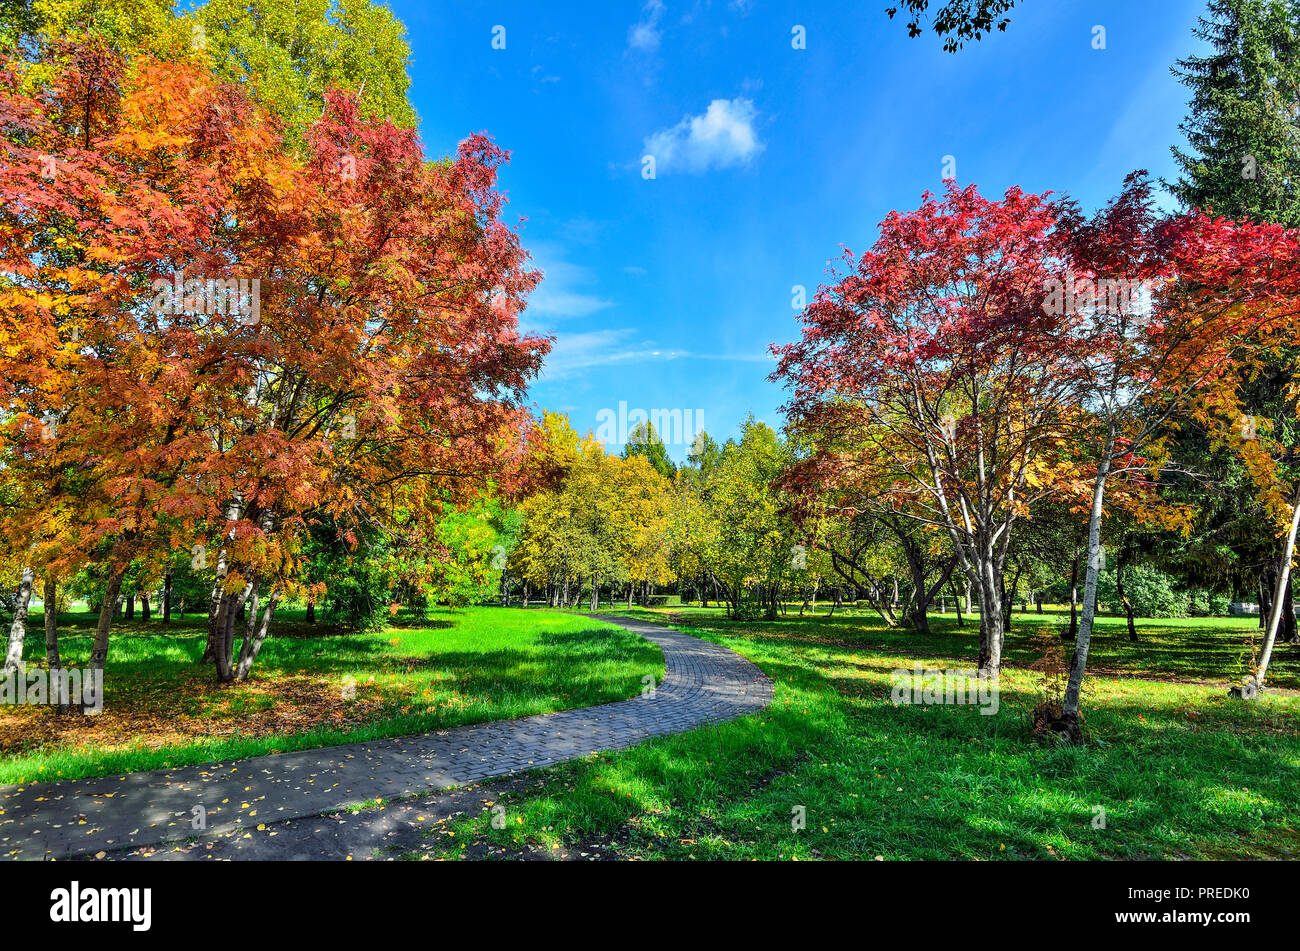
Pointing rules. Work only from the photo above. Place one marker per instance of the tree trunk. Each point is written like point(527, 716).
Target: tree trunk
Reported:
point(1120, 568)
point(1289, 633)
point(18, 629)
point(167, 598)
point(219, 585)
point(1074, 597)
point(1265, 598)
point(1008, 597)
point(1070, 704)
point(227, 615)
point(311, 612)
point(992, 618)
point(1279, 595)
point(50, 596)
point(253, 639)
point(130, 607)
point(595, 594)
point(144, 605)
point(113, 590)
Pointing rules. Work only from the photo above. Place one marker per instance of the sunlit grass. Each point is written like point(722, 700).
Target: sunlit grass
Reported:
point(163, 709)
point(1170, 770)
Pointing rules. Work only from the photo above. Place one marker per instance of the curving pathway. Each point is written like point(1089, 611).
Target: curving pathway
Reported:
point(703, 683)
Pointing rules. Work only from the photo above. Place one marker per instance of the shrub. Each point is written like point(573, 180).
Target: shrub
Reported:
point(1205, 603)
point(1150, 591)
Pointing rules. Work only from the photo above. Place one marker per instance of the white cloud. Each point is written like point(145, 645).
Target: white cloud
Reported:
point(645, 34)
point(722, 137)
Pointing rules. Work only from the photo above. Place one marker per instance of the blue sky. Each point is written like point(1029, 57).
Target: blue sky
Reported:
point(665, 292)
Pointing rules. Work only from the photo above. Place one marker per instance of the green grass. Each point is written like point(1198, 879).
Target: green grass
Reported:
point(1181, 770)
point(1216, 649)
point(163, 709)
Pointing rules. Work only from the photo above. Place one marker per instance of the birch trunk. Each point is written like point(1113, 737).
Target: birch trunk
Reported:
point(1070, 705)
point(1279, 598)
point(218, 589)
point(253, 644)
point(1074, 597)
point(992, 621)
point(18, 629)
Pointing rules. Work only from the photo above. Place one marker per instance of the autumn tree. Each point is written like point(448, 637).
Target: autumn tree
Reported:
point(375, 377)
point(933, 383)
point(1214, 293)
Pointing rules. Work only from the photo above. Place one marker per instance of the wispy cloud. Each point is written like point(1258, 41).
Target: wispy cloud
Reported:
point(576, 352)
point(562, 294)
point(722, 137)
point(542, 76)
point(645, 33)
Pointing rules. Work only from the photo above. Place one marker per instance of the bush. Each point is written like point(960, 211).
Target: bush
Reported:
point(1204, 603)
point(358, 593)
point(1150, 591)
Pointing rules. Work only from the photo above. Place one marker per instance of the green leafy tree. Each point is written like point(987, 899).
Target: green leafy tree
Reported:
point(644, 441)
point(739, 529)
point(957, 21)
point(476, 551)
point(1150, 591)
point(292, 51)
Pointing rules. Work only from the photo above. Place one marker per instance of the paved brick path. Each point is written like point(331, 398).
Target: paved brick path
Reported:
point(703, 683)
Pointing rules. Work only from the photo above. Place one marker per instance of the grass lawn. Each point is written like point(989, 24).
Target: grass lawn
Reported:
point(163, 709)
point(1180, 770)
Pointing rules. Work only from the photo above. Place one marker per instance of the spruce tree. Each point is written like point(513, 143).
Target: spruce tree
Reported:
point(1243, 130)
point(1244, 139)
